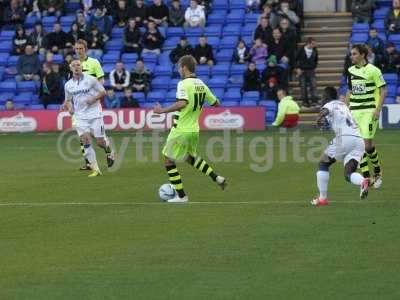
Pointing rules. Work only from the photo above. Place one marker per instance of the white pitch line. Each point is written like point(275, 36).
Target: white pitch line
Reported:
point(31, 204)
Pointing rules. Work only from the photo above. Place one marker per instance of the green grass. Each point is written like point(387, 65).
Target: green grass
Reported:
point(258, 240)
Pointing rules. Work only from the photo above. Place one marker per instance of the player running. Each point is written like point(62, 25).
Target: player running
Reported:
point(182, 141)
point(84, 93)
point(91, 66)
point(347, 146)
point(366, 95)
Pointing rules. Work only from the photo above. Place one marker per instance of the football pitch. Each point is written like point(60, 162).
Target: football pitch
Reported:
point(65, 236)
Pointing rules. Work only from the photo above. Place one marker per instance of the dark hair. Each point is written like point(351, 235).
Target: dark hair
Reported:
point(189, 62)
point(330, 93)
point(139, 59)
point(372, 28)
point(283, 89)
point(361, 48)
point(310, 40)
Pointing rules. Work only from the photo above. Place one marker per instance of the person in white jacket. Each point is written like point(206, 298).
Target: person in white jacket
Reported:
point(194, 15)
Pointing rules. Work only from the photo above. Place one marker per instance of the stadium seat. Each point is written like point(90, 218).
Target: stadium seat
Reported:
point(8, 87)
point(269, 105)
point(7, 35)
point(379, 25)
point(390, 78)
point(218, 82)
point(390, 100)
point(53, 106)
point(232, 29)
point(253, 95)
point(170, 43)
point(163, 59)
point(149, 57)
point(5, 46)
point(147, 104)
point(67, 20)
point(217, 17)
point(238, 69)
point(357, 38)
point(114, 44)
point(117, 33)
point(58, 58)
point(230, 103)
point(391, 90)
point(221, 5)
point(129, 57)
point(49, 21)
point(214, 42)
point(4, 96)
point(247, 29)
point(110, 58)
point(12, 60)
point(232, 95)
point(270, 116)
point(252, 19)
point(237, 4)
point(107, 68)
point(24, 98)
point(248, 103)
point(235, 81)
point(203, 70)
point(36, 107)
point(30, 21)
point(228, 42)
point(219, 93)
point(72, 7)
point(235, 16)
point(360, 28)
point(248, 40)
point(26, 86)
point(193, 31)
point(175, 32)
point(140, 97)
point(222, 68)
point(381, 13)
point(171, 95)
point(4, 59)
point(160, 82)
point(163, 70)
point(213, 31)
point(155, 96)
point(224, 55)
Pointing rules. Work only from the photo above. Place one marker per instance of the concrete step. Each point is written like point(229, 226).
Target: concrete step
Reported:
point(327, 29)
point(336, 69)
point(329, 45)
point(320, 84)
point(331, 63)
point(329, 57)
point(333, 50)
point(323, 37)
point(325, 15)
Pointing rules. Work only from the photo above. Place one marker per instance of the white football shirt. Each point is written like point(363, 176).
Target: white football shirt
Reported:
point(79, 92)
point(340, 119)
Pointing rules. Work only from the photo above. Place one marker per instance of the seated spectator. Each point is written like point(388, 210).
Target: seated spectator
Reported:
point(241, 55)
point(36, 38)
point(19, 41)
point(55, 41)
point(278, 47)
point(111, 100)
point(132, 37)
point(65, 69)
point(13, 15)
point(128, 101)
point(375, 42)
point(176, 14)
point(80, 19)
point(121, 14)
point(362, 10)
point(152, 39)
point(51, 7)
point(391, 59)
point(108, 6)
point(306, 63)
point(28, 65)
point(258, 52)
point(9, 105)
point(194, 15)
point(183, 48)
point(103, 23)
point(288, 111)
point(251, 78)
point(252, 5)
point(51, 90)
point(95, 42)
point(285, 12)
point(268, 13)
point(263, 31)
point(203, 52)
point(372, 58)
point(273, 3)
point(158, 13)
point(139, 13)
point(48, 60)
point(73, 35)
point(392, 20)
point(119, 77)
point(272, 73)
point(270, 89)
point(141, 77)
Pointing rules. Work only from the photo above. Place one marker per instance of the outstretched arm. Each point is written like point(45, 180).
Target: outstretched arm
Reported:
point(178, 105)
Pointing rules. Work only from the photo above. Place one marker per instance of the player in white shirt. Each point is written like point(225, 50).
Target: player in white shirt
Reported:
point(82, 97)
point(347, 146)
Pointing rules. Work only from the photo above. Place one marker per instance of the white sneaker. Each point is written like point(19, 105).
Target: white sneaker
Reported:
point(221, 181)
point(377, 181)
point(178, 199)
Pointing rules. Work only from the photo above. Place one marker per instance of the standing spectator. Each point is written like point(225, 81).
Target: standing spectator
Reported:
point(95, 42)
point(263, 31)
point(268, 13)
point(289, 37)
point(241, 55)
point(65, 69)
point(73, 35)
point(13, 15)
point(194, 15)
point(372, 58)
point(56, 40)
point(307, 62)
point(391, 59)
point(152, 39)
point(392, 20)
point(375, 42)
point(251, 78)
point(111, 100)
point(258, 52)
point(278, 47)
point(121, 14)
point(51, 7)
point(203, 52)
point(34, 10)
point(103, 23)
point(128, 101)
point(288, 110)
point(119, 77)
point(132, 37)
point(158, 13)
point(362, 10)
point(19, 41)
point(87, 7)
point(37, 37)
point(51, 91)
point(285, 12)
point(141, 77)
point(28, 65)
point(139, 13)
point(80, 19)
point(183, 48)
point(176, 14)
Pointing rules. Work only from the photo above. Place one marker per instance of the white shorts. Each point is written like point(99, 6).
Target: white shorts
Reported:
point(345, 148)
point(93, 126)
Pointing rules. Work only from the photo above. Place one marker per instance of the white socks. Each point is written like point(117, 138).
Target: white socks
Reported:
point(356, 178)
point(322, 182)
point(90, 155)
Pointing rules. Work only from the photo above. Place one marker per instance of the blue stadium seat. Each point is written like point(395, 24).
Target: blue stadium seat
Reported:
point(219, 93)
point(163, 59)
point(247, 29)
point(214, 30)
point(357, 38)
point(30, 21)
point(204, 78)
point(248, 103)
point(163, 70)
point(238, 69)
point(7, 35)
point(37, 107)
point(58, 58)
point(232, 95)
point(140, 97)
point(72, 7)
point(114, 44)
point(220, 69)
point(67, 20)
point(5, 46)
point(218, 82)
point(26, 86)
point(156, 96)
point(237, 4)
point(360, 28)
point(203, 70)
point(391, 90)
point(117, 33)
point(35, 99)
point(221, 5)
point(53, 106)
point(394, 38)
point(4, 59)
point(253, 95)
point(8, 87)
point(214, 42)
point(230, 103)
point(235, 81)
point(171, 43)
point(149, 57)
point(193, 31)
point(147, 104)
point(160, 82)
point(171, 95)
point(379, 25)
point(252, 19)
point(381, 13)
point(107, 68)
point(217, 17)
point(110, 58)
point(390, 78)
point(248, 40)
point(4, 96)
point(224, 55)
point(232, 30)
point(389, 100)
point(129, 57)
point(228, 42)
point(270, 116)
point(269, 105)
point(235, 17)
point(175, 32)
point(24, 99)
point(49, 21)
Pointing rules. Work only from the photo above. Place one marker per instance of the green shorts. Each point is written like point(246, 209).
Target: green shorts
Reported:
point(181, 144)
point(366, 123)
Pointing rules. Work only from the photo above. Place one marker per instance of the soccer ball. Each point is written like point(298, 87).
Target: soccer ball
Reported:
point(166, 192)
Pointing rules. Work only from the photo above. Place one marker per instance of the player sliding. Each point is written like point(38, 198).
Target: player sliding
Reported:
point(182, 142)
point(85, 92)
point(347, 146)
